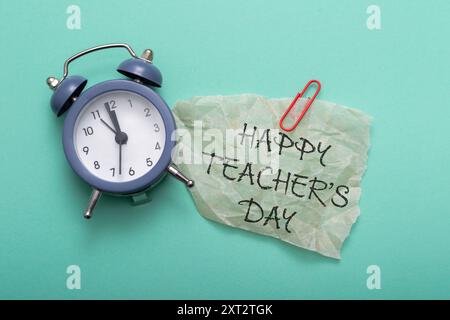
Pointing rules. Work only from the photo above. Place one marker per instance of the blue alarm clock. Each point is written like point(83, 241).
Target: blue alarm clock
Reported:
point(117, 134)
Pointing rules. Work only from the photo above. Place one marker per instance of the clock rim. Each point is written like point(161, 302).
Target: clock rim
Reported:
point(129, 187)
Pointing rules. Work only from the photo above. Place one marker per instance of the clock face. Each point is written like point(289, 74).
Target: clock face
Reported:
point(119, 136)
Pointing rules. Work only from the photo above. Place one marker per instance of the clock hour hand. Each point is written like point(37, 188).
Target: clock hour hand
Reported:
point(107, 125)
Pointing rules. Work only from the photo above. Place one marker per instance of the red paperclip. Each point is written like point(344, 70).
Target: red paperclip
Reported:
point(308, 104)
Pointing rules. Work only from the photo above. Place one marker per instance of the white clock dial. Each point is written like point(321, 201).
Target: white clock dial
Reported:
point(119, 156)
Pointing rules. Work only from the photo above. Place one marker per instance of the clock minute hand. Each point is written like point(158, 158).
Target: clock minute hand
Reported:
point(113, 117)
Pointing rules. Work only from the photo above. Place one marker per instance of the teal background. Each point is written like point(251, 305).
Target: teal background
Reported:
point(165, 249)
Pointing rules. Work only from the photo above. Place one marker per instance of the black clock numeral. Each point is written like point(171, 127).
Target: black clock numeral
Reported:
point(147, 112)
point(89, 131)
point(149, 162)
point(156, 127)
point(129, 101)
point(113, 170)
point(96, 165)
point(95, 114)
point(131, 172)
point(112, 104)
point(86, 149)
point(157, 147)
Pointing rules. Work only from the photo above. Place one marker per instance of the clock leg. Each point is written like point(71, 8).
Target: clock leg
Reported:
point(92, 202)
point(177, 174)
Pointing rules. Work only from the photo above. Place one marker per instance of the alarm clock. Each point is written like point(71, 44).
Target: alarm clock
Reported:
point(118, 134)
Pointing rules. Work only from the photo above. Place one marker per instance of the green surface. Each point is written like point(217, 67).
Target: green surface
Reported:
point(165, 249)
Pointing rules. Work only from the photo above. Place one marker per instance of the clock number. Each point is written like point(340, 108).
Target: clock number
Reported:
point(95, 114)
point(156, 127)
point(147, 112)
point(129, 101)
point(112, 104)
point(157, 147)
point(113, 171)
point(131, 172)
point(149, 162)
point(96, 165)
point(86, 150)
point(89, 131)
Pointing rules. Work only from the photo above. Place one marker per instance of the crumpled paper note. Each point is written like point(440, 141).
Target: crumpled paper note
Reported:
point(306, 194)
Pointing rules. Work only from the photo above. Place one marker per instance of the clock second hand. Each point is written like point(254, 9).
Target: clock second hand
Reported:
point(120, 136)
point(120, 158)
